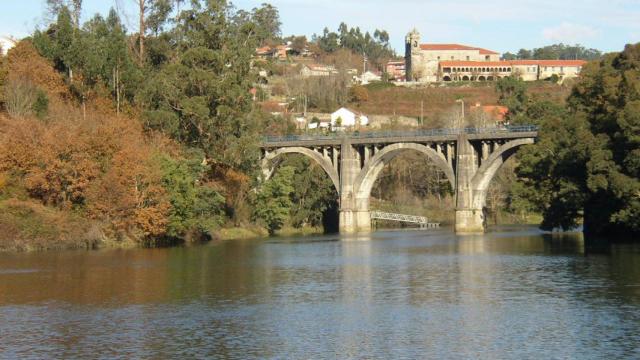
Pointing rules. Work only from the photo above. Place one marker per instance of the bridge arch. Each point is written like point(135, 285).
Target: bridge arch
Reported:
point(325, 163)
point(369, 174)
point(490, 167)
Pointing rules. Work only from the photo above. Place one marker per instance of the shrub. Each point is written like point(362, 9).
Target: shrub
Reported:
point(20, 97)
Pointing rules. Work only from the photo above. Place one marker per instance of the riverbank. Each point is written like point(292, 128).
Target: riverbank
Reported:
point(27, 226)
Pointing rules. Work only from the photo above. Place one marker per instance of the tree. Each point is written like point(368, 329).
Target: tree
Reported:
point(201, 98)
point(273, 202)
point(75, 6)
point(585, 164)
point(195, 210)
point(152, 15)
point(512, 93)
point(524, 54)
point(299, 44)
point(509, 56)
point(313, 195)
point(267, 22)
point(359, 94)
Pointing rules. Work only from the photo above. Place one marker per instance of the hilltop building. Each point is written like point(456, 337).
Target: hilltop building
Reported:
point(454, 62)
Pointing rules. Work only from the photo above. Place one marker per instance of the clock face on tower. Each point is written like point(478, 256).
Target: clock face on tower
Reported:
point(415, 43)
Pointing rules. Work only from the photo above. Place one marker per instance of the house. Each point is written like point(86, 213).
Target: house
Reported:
point(264, 52)
point(279, 52)
point(345, 118)
point(369, 77)
point(489, 114)
point(317, 70)
point(396, 70)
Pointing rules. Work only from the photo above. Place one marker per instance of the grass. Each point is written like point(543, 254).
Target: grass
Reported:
point(240, 233)
point(307, 230)
point(28, 226)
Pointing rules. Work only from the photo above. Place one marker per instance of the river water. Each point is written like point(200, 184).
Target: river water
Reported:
point(512, 293)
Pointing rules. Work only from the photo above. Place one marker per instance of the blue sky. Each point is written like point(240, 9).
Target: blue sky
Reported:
point(501, 25)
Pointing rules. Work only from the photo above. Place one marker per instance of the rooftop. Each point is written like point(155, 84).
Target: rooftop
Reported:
point(434, 47)
point(514, 63)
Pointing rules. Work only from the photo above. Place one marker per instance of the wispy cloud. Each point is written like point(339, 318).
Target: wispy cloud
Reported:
point(570, 33)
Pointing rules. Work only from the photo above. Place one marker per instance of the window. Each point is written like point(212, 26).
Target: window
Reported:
point(438, 57)
point(487, 57)
point(467, 58)
point(452, 58)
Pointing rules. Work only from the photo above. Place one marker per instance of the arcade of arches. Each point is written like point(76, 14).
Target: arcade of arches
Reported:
point(468, 163)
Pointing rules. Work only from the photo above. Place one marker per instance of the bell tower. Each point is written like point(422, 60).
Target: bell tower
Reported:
point(412, 48)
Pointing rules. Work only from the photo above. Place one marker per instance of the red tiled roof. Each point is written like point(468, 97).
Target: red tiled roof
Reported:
point(514, 63)
point(456, 47)
point(561, 62)
point(496, 110)
point(263, 50)
point(474, 63)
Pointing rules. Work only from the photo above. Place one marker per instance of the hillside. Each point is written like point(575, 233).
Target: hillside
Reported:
point(436, 101)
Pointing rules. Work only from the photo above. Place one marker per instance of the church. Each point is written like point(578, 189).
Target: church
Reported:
point(428, 63)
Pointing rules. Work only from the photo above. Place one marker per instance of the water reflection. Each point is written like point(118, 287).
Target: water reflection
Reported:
point(412, 294)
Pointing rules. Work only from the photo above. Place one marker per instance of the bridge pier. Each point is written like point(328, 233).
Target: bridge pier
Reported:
point(470, 217)
point(354, 212)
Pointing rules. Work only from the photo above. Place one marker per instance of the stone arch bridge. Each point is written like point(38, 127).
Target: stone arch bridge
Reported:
point(468, 157)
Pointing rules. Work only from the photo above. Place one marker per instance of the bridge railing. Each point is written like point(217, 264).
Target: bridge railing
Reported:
point(413, 133)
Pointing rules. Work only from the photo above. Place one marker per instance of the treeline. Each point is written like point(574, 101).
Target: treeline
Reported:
point(375, 47)
point(585, 168)
point(148, 137)
point(555, 52)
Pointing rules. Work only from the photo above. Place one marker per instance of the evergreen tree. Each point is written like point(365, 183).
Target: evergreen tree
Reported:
point(273, 203)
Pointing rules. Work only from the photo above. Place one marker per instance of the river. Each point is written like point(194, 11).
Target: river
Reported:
point(512, 293)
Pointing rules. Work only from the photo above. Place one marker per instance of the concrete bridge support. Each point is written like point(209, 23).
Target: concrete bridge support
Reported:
point(470, 217)
point(354, 211)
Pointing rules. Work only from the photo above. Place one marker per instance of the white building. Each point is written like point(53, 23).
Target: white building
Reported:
point(345, 118)
point(369, 77)
point(318, 70)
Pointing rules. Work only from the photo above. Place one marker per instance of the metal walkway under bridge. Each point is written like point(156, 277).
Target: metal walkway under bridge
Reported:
point(414, 219)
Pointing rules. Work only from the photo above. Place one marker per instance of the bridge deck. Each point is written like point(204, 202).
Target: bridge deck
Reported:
point(434, 135)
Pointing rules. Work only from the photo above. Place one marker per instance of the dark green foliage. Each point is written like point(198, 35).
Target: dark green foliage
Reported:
point(202, 97)
point(273, 202)
point(195, 209)
point(376, 47)
point(313, 194)
point(512, 93)
point(379, 85)
point(267, 22)
point(585, 165)
point(555, 52)
point(609, 97)
point(41, 104)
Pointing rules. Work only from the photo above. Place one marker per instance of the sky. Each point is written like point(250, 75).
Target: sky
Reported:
point(500, 25)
